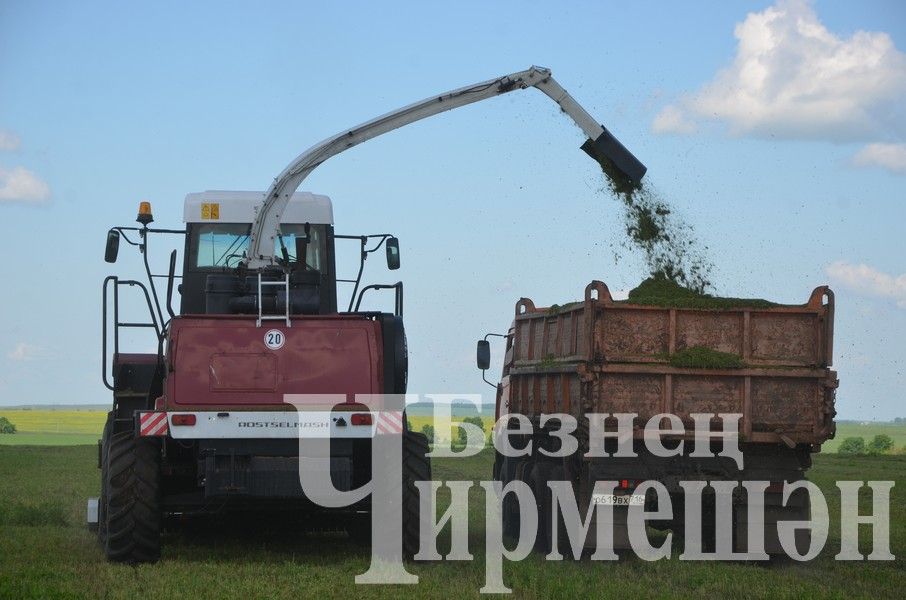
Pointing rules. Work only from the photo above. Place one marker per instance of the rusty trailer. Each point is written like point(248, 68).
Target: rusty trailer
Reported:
point(602, 356)
point(607, 356)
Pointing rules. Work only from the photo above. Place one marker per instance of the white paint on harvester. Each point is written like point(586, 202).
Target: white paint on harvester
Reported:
point(269, 425)
point(240, 207)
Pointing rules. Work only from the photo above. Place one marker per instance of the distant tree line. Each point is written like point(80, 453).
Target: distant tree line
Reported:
point(853, 446)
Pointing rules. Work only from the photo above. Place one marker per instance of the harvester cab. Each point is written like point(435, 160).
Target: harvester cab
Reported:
point(214, 277)
point(218, 225)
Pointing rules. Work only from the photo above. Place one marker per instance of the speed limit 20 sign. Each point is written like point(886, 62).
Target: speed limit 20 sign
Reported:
point(274, 339)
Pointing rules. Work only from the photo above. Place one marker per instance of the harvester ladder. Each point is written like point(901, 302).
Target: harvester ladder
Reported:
point(264, 317)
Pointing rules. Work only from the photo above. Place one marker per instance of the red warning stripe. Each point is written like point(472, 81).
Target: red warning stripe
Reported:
point(389, 422)
point(153, 424)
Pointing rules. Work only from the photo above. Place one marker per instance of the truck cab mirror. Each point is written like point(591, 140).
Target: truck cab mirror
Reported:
point(113, 246)
point(484, 354)
point(393, 253)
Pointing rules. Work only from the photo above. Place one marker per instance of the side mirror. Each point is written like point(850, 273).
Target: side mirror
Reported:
point(393, 253)
point(484, 354)
point(113, 246)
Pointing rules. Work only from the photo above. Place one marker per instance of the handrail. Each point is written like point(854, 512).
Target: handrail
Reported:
point(398, 302)
point(116, 320)
point(363, 254)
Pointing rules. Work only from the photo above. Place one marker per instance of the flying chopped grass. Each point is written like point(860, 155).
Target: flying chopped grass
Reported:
point(667, 242)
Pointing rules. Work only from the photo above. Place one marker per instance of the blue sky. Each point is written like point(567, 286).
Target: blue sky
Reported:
point(777, 130)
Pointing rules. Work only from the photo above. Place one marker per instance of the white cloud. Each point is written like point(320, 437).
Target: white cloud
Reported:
point(868, 280)
point(24, 351)
point(793, 78)
point(21, 185)
point(672, 120)
point(887, 156)
point(8, 141)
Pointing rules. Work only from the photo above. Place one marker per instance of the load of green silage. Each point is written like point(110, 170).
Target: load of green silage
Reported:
point(658, 290)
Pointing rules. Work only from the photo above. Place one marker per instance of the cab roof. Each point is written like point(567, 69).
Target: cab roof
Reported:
point(215, 206)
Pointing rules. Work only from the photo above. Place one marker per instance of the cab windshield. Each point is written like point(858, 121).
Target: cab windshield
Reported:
point(223, 245)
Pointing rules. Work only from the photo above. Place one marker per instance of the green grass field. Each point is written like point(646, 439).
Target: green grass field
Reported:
point(416, 422)
point(53, 427)
point(46, 552)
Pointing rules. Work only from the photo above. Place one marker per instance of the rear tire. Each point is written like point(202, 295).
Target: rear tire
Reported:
point(133, 514)
point(416, 467)
point(102, 499)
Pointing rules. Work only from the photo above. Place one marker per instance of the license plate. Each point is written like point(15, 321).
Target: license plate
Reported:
point(619, 499)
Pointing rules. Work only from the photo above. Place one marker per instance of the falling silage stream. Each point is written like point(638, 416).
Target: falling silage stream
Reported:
point(667, 242)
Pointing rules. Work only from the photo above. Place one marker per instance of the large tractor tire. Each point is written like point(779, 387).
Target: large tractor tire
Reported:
point(102, 499)
point(416, 467)
point(132, 487)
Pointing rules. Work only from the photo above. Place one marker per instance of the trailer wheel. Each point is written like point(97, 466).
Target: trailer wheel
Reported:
point(133, 514)
point(549, 533)
point(537, 475)
point(504, 475)
point(416, 467)
point(556, 532)
point(102, 499)
point(513, 469)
